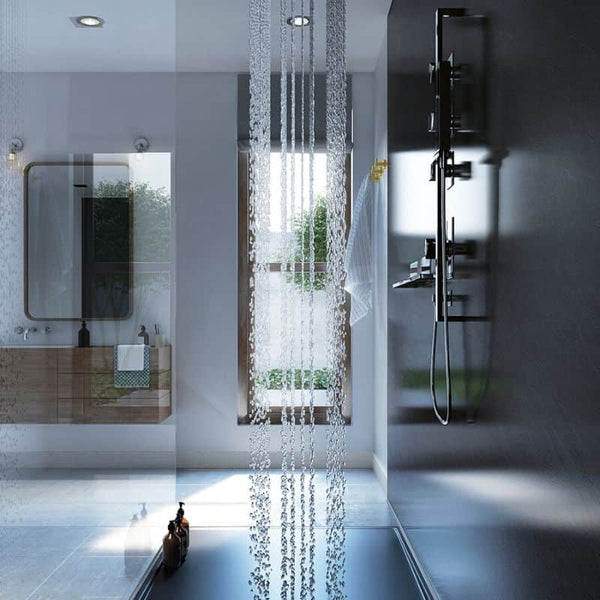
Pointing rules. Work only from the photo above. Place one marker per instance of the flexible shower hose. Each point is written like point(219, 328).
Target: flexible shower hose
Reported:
point(444, 275)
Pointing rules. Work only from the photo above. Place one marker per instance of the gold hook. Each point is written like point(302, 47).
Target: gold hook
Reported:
point(377, 170)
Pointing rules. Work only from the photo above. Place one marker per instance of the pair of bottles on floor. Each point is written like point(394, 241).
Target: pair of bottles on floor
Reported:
point(177, 541)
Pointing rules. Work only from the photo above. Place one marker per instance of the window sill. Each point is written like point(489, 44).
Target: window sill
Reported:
point(320, 418)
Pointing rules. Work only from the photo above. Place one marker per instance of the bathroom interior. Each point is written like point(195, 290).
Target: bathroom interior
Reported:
point(323, 272)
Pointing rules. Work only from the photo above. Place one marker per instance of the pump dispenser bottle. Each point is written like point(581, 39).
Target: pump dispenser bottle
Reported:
point(183, 536)
point(172, 548)
point(184, 521)
point(183, 531)
point(83, 338)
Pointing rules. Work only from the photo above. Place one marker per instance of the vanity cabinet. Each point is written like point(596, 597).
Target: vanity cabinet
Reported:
point(28, 387)
point(76, 385)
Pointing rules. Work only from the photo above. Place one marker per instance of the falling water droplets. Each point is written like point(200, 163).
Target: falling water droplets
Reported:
point(336, 309)
point(259, 214)
point(297, 434)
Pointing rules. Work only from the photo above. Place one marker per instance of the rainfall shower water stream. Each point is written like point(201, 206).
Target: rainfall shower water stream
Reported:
point(297, 66)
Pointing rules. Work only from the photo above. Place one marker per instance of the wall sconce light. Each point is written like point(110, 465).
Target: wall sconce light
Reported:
point(14, 147)
point(141, 145)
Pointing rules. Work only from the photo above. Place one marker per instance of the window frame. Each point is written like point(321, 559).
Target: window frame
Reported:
point(244, 392)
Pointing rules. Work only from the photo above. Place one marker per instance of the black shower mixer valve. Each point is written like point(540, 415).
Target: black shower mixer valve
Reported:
point(452, 170)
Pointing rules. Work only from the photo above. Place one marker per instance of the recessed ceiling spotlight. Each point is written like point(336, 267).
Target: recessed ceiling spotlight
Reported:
point(299, 21)
point(87, 21)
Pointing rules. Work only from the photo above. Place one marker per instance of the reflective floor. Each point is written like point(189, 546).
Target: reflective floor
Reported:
point(75, 534)
point(222, 499)
point(218, 565)
point(219, 561)
point(82, 534)
point(498, 534)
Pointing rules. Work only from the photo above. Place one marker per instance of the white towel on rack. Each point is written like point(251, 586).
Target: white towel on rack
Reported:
point(359, 254)
point(130, 357)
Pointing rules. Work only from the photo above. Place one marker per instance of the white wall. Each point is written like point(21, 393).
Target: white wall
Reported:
point(380, 366)
point(78, 113)
point(207, 429)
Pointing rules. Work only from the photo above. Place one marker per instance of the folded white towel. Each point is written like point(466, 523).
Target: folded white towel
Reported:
point(130, 358)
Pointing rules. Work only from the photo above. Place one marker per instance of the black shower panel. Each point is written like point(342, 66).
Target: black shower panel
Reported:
point(448, 122)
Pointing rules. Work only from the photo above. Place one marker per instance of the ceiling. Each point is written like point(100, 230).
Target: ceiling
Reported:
point(183, 35)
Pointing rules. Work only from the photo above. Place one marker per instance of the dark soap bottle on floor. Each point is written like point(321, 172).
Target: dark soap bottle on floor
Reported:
point(183, 529)
point(172, 548)
point(183, 536)
point(84, 336)
point(183, 520)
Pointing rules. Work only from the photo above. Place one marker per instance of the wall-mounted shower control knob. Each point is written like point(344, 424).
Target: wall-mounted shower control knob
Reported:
point(430, 248)
point(467, 249)
point(456, 72)
point(452, 249)
point(459, 170)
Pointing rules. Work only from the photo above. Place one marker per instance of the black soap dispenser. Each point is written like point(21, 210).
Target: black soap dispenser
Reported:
point(84, 336)
point(144, 334)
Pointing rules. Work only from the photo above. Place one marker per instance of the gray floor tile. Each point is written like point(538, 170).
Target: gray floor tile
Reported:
point(83, 577)
point(139, 539)
point(17, 542)
point(73, 534)
point(21, 575)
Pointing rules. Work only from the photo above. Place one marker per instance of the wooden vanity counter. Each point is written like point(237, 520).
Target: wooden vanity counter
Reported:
point(76, 385)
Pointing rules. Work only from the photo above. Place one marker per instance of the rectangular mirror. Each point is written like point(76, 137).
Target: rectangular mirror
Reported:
point(78, 240)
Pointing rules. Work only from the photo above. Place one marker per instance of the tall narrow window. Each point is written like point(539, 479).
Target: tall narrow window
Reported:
point(300, 283)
